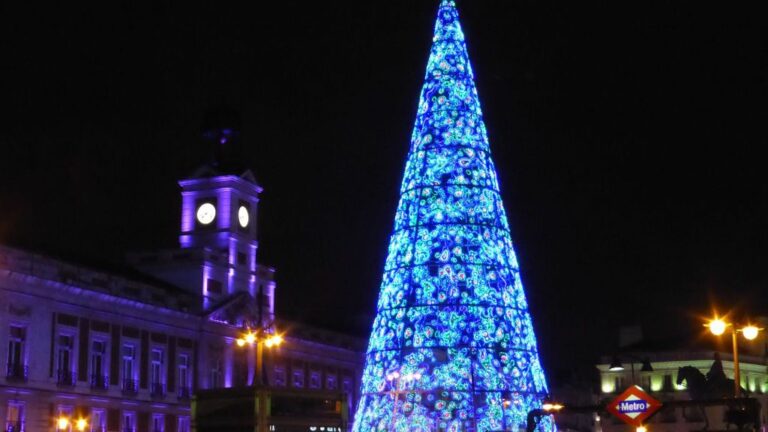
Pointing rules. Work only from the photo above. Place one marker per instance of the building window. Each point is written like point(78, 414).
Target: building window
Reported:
point(158, 423)
point(183, 424)
point(156, 372)
point(331, 383)
point(129, 359)
point(15, 365)
point(65, 412)
point(314, 380)
point(280, 376)
point(242, 259)
point(64, 376)
point(346, 385)
point(98, 420)
point(14, 420)
point(98, 377)
point(216, 374)
point(129, 421)
point(298, 378)
point(183, 376)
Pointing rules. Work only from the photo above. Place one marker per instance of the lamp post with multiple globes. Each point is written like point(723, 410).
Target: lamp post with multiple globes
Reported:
point(717, 327)
point(260, 338)
point(63, 423)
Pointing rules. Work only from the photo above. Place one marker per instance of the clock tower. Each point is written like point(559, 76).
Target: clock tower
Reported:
point(218, 242)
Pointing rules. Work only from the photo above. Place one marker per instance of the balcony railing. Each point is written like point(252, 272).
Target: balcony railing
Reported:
point(99, 382)
point(130, 387)
point(16, 372)
point(185, 393)
point(65, 378)
point(14, 426)
point(157, 390)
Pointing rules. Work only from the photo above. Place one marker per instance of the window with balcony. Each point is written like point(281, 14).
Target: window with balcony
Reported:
point(157, 379)
point(158, 423)
point(16, 367)
point(65, 411)
point(217, 375)
point(128, 368)
point(98, 376)
point(183, 425)
point(129, 421)
point(98, 421)
point(184, 377)
point(14, 419)
point(65, 376)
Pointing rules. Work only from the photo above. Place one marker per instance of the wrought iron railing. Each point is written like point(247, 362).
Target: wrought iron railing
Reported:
point(157, 390)
point(65, 378)
point(185, 393)
point(130, 387)
point(16, 372)
point(99, 382)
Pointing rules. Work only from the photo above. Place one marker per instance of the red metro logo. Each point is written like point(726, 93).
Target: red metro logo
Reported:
point(633, 406)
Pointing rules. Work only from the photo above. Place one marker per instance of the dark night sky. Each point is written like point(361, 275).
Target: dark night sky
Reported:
point(627, 136)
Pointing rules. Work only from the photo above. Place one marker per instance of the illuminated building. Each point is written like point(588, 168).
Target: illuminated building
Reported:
point(452, 347)
point(655, 365)
point(126, 349)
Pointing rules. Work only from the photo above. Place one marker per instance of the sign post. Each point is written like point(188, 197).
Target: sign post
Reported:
point(633, 406)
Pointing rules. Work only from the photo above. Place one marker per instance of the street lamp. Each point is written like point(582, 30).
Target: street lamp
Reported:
point(396, 379)
point(81, 424)
point(62, 423)
point(717, 327)
point(260, 338)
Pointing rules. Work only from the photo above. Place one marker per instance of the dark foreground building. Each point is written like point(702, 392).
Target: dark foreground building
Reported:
point(126, 350)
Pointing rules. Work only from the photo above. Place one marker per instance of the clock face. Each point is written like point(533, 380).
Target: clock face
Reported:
point(243, 216)
point(206, 213)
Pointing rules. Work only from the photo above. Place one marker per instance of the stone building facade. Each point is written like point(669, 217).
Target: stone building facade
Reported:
point(125, 350)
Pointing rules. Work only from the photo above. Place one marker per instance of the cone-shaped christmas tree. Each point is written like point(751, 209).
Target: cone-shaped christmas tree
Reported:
point(452, 346)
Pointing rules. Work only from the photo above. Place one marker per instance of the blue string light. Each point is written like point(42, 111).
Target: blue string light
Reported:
point(452, 315)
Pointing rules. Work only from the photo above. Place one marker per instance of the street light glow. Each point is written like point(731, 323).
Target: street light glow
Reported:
point(240, 342)
point(642, 429)
point(551, 406)
point(275, 340)
point(750, 332)
point(62, 423)
point(250, 338)
point(717, 327)
point(81, 424)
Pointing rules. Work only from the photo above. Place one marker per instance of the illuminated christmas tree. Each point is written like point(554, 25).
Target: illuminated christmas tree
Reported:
point(452, 346)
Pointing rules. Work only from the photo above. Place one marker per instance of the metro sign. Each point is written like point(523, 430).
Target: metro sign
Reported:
point(633, 406)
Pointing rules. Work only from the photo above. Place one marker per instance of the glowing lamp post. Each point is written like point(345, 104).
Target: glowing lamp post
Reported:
point(260, 338)
point(717, 327)
point(63, 423)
